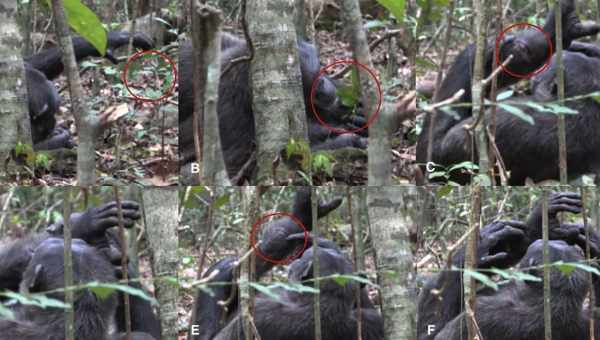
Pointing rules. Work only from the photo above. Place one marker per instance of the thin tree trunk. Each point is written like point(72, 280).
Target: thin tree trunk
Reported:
point(246, 267)
point(546, 257)
point(68, 263)
point(124, 263)
point(87, 121)
point(588, 258)
point(560, 82)
point(392, 211)
point(471, 261)
point(481, 140)
point(160, 216)
point(357, 246)
point(316, 263)
point(206, 36)
point(278, 105)
point(14, 114)
point(379, 149)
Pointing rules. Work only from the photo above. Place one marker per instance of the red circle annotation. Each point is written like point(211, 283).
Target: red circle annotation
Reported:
point(165, 57)
point(256, 228)
point(313, 92)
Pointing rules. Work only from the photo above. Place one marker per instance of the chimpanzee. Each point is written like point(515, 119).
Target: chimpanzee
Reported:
point(236, 120)
point(515, 311)
point(92, 227)
point(43, 97)
point(528, 151)
point(45, 273)
point(291, 316)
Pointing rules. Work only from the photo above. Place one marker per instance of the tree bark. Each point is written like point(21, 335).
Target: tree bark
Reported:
point(278, 105)
point(379, 149)
point(87, 121)
point(160, 215)
point(14, 114)
point(392, 210)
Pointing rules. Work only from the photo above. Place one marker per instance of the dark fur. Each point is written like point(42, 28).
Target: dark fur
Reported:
point(515, 311)
point(236, 120)
point(281, 238)
point(92, 227)
point(528, 151)
point(292, 316)
point(93, 316)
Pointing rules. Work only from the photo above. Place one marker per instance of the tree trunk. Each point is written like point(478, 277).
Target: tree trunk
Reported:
point(14, 114)
point(392, 210)
point(87, 121)
point(379, 150)
point(278, 105)
point(160, 212)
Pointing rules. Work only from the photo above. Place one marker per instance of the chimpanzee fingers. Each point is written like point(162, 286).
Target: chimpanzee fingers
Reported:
point(497, 260)
point(584, 29)
point(508, 233)
point(113, 221)
point(124, 205)
point(565, 201)
point(326, 208)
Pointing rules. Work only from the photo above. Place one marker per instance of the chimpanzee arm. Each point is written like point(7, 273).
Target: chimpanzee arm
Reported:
point(49, 61)
point(501, 246)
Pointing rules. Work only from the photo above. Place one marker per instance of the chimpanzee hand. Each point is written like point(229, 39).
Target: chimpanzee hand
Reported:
point(574, 233)
point(502, 244)
point(557, 202)
point(91, 225)
point(303, 206)
point(118, 39)
point(572, 27)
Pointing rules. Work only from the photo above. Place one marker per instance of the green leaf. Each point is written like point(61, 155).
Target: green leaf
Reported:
point(6, 313)
point(484, 279)
point(443, 191)
point(85, 22)
point(265, 290)
point(505, 95)
point(221, 201)
point(101, 289)
point(517, 112)
point(424, 63)
point(468, 165)
point(396, 7)
point(39, 300)
point(560, 109)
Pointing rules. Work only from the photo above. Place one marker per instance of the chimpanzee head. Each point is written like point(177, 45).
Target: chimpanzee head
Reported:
point(45, 271)
point(574, 282)
point(331, 261)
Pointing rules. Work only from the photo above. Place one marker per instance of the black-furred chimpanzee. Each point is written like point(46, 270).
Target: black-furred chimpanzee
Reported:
point(287, 318)
point(527, 151)
point(515, 310)
point(43, 98)
point(92, 229)
point(236, 120)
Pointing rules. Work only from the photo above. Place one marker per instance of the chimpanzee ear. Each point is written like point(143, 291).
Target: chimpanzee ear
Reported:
point(30, 280)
